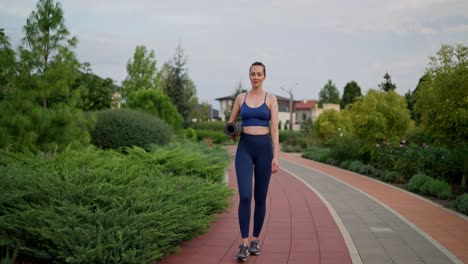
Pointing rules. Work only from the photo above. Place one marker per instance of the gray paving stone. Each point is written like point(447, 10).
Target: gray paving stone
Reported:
point(359, 214)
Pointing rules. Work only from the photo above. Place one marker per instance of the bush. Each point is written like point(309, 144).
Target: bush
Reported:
point(345, 147)
point(366, 169)
point(389, 176)
point(156, 102)
point(190, 134)
point(331, 161)
point(95, 206)
point(437, 188)
point(417, 181)
point(461, 204)
point(345, 164)
point(215, 126)
point(289, 148)
point(316, 153)
point(355, 166)
point(218, 137)
point(126, 128)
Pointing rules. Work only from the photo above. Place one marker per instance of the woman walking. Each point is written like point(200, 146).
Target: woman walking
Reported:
point(256, 156)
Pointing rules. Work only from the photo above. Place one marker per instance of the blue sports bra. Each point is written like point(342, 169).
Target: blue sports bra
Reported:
point(258, 116)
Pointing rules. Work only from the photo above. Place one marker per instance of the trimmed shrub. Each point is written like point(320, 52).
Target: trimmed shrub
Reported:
point(366, 169)
point(355, 166)
point(345, 164)
point(417, 181)
point(289, 148)
point(95, 206)
point(389, 176)
point(218, 137)
point(126, 128)
point(215, 126)
point(316, 153)
point(190, 134)
point(437, 188)
point(461, 204)
point(332, 161)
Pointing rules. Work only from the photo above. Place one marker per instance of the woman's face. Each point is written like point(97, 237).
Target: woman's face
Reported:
point(256, 76)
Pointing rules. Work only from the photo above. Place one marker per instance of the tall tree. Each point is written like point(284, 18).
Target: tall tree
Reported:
point(7, 65)
point(350, 93)
point(387, 85)
point(329, 94)
point(178, 85)
point(442, 99)
point(42, 113)
point(141, 72)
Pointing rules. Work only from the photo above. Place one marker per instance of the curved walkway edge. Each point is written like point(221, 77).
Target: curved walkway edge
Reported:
point(446, 230)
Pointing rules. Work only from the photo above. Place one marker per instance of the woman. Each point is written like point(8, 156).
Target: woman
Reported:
point(256, 156)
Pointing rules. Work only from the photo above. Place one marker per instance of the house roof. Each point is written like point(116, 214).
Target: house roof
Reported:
point(305, 104)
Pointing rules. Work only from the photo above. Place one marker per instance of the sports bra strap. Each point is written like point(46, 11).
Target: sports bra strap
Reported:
point(245, 97)
point(265, 97)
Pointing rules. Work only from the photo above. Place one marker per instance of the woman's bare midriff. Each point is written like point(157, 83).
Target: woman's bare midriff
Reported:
point(256, 130)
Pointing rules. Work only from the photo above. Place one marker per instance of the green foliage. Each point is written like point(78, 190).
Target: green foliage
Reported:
point(345, 164)
point(437, 188)
point(96, 93)
point(215, 125)
point(331, 123)
point(94, 206)
point(320, 154)
point(217, 137)
point(190, 134)
point(41, 113)
point(417, 181)
point(329, 94)
point(350, 93)
point(442, 98)
point(156, 102)
point(387, 85)
point(126, 128)
point(7, 65)
point(367, 169)
point(389, 176)
point(141, 72)
point(177, 84)
point(461, 204)
point(356, 166)
point(291, 148)
point(345, 147)
point(379, 117)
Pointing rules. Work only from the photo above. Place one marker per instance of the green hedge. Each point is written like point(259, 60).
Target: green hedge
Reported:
point(96, 206)
point(126, 128)
point(316, 153)
point(427, 185)
point(218, 137)
point(214, 126)
point(461, 204)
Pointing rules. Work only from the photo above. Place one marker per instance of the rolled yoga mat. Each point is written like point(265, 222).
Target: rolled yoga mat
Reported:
point(232, 129)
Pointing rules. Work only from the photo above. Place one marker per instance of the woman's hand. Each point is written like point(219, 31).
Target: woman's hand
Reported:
point(274, 165)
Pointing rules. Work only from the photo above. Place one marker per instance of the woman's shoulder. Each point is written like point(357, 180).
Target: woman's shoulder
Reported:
point(271, 97)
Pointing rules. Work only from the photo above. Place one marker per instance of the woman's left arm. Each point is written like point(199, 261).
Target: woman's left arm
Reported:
point(274, 133)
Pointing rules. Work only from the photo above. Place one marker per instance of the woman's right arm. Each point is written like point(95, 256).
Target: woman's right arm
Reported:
point(235, 109)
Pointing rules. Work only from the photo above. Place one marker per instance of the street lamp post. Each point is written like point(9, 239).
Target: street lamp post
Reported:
point(290, 113)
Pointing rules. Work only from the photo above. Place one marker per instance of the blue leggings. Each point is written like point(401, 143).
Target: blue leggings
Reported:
point(254, 155)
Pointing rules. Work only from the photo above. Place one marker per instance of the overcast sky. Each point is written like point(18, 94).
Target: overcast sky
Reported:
point(302, 42)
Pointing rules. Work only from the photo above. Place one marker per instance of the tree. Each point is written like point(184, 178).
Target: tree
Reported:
point(7, 65)
point(141, 72)
point(387, 85)
point(379, 117)
point(350, 93)
point(237, 90)
point(329, 94)
point(442, 98)
point(96, 92)
point(331, 123)
point(41, 113)
point(178, 85)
